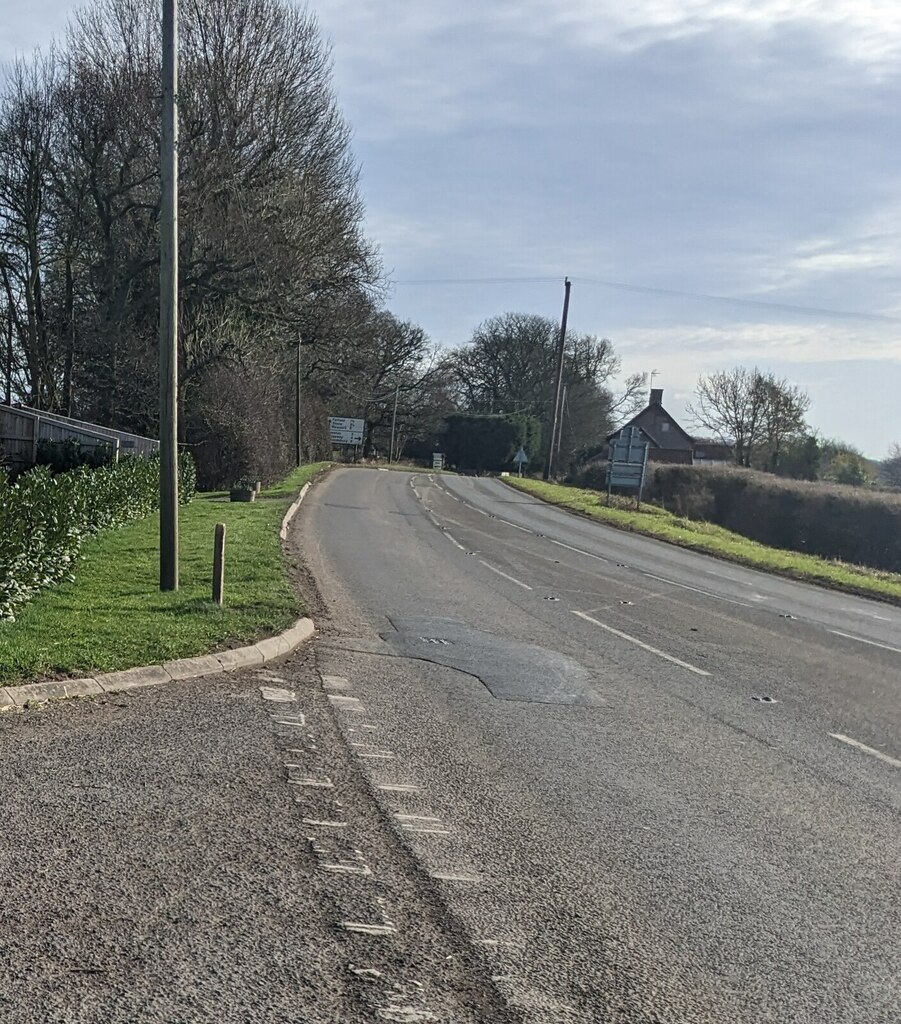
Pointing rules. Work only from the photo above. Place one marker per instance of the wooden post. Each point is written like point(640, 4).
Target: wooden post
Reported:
point(219, 563)
point(558, 387)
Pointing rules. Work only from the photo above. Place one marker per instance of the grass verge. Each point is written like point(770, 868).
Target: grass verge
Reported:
point(717, 541)
point(113, 616)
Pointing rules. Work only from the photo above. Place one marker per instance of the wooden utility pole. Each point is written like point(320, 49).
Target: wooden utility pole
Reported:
point(555, 420)
point(298, 456)
point(394, 423)
point(562, 418)
point(169, 303)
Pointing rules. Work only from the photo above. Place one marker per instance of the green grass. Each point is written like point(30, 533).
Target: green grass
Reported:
point(113, 616)
point(717, 541)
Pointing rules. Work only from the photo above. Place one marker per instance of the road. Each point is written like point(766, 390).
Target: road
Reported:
point(202, 853)
point(645, 784)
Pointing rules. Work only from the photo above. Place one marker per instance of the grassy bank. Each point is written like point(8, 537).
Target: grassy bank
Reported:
point(714, 540)
point(113, 616)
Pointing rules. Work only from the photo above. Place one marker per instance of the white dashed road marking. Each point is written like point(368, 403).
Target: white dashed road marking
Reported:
point(368, 929)
point(512, 579)
point(277, 694)
point(640, 643)
point(865, 749)
point(862, 640)
point(695, 590)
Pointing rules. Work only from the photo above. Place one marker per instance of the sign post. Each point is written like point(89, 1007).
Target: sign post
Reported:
point(520, 459)
point(628, 462)
point(345, 430)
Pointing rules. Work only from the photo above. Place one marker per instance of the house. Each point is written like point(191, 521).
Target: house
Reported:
point(669, 442)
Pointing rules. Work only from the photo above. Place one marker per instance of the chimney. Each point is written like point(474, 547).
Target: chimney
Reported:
point(656, 396)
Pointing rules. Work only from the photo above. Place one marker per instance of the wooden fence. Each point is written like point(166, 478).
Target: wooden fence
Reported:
point(21, 428)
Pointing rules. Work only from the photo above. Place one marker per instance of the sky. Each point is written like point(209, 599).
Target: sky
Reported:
point(720, 179)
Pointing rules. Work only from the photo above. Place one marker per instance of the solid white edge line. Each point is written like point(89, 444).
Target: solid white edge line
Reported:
point(642, 644)
point(512, 579)
point(453, 540)
point(863, 640)
point(867, 750)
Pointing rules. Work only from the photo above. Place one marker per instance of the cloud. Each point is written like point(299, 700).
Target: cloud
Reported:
point(701, 347)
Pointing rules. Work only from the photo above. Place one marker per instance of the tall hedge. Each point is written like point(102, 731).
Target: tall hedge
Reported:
point(847, 523)
point(44, 519)
point(476, 443)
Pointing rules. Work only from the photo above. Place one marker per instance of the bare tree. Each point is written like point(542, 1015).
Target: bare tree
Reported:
point(26, 239)
point(754, 412)
point(272, 247)
point(785, 407)
point(890, 470)
point(509, 366)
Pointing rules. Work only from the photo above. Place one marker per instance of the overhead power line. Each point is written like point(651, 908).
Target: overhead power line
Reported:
point(642, 289)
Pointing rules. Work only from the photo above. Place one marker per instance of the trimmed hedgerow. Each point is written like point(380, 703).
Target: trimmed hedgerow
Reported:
point(45, 518)
point(848, 524)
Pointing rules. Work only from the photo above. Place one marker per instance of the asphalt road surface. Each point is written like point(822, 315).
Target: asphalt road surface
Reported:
point(203, 853)
point(646, 785)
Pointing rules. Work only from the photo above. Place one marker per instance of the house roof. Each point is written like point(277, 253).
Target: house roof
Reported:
point(633, 423)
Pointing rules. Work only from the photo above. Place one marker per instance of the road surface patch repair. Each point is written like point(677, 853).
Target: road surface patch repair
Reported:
point(511, 670)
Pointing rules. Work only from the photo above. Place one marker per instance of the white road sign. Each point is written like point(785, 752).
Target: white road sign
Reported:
point(345, 430)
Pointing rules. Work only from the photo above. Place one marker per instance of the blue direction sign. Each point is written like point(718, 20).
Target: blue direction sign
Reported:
point(520, 459)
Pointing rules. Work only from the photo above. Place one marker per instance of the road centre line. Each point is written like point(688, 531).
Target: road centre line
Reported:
point(578, 551)
point(863, 640)
point(696, 590)
point(515, 526)
point(512, 579)
point(867, 750)
point(642, 644)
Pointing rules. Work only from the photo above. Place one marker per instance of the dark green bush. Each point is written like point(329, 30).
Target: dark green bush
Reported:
point(476, 443)
point(62, 456)
point(45, 518)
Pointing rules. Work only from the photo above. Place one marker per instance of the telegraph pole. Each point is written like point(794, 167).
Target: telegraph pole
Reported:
point(549, 462)
point(562, 418)
point(394, 423)
point(297, 407)
point(169, 303)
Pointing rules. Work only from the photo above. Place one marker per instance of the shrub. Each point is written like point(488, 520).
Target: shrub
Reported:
point(62, 456)
point(45, 518)
point(485, 442)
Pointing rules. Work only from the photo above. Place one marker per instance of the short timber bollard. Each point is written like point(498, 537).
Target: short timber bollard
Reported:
point(219, 562)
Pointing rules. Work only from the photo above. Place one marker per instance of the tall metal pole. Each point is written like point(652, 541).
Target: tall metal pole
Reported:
point(549, 462)
point(394, 423)
point(298, 456)
point(169, 303)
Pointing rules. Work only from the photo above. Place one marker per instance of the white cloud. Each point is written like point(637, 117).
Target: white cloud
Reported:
point(866, 31)
point(689, 350)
